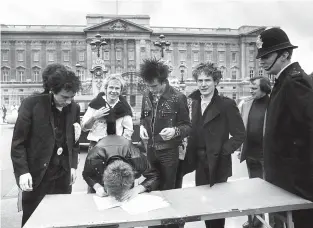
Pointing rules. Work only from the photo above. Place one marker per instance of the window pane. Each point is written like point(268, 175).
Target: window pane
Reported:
point(196, 56)
point(36, 56)
point(131, 55)
point(106, 55)
point(66, 56)
point(208, 56)
point(221, 56)
point(234, 57)
point(118, 55)
point(251, 74)
point(20, 56)
point(251, 55)
point(81, 56)
point(234, 74)
point(50, 57)
point(5, 56)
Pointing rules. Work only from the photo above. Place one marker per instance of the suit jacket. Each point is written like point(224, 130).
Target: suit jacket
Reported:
point(34, 137)
point(288, 138)
point(221, 119)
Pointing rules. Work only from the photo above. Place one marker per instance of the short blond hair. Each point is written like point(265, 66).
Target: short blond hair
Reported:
point(112, 77)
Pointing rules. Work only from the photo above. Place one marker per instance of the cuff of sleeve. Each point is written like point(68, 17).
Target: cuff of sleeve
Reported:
point(177, 132)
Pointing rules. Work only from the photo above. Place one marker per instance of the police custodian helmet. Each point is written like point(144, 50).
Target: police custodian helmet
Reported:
point(272, 40)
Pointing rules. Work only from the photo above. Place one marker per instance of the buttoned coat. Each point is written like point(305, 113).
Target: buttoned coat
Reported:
point(221, 119)
point(34, 137)
point(288, 139)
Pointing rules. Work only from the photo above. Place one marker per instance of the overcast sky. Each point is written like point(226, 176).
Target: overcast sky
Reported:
point(295, 17)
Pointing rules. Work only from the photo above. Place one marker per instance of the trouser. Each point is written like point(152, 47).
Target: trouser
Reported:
point(255, 167)
point(166, 162)
point(203, 178)
point(179, 176)
point(255, 170)
point(91, 145)
point(48, 185)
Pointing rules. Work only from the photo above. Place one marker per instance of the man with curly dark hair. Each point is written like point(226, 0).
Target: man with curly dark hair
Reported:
point(51, 69)
point(164, 120)
point(44, 150)
point(214, 118)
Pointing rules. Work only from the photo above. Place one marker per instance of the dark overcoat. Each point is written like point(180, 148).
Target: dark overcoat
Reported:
point(288, 139)
point(34, 137)
point(221, 119)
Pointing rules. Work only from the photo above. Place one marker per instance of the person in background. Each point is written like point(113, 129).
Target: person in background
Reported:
point(214, 119)
point(43, 151)
point(253, 112)
point(4, 113)
point(288, 136)
point(114, 163)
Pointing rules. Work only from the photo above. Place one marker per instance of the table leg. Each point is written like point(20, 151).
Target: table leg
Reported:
point(250, 220)
point(289, 220)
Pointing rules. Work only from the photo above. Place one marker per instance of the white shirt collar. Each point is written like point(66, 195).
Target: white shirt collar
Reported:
point(105, 98)
point(277, 75)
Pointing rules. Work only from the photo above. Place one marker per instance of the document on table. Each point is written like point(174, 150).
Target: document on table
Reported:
point(143, 203)
point(106, 202)
point(134, 206)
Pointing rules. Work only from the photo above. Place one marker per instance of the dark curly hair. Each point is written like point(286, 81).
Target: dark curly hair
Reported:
point(152, 69)
point(208, 69)
point(118, 177)
point(67, 81)
point(52, 69)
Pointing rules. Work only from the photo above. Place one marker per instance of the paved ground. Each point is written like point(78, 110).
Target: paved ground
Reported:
point(10, 218)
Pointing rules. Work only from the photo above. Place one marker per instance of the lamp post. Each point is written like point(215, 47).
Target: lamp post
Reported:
point(98, 43)
point(78, 66)
point(161, 43)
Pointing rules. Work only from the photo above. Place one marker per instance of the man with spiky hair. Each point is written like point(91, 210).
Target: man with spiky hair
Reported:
point(164, 120)
point(44, 151)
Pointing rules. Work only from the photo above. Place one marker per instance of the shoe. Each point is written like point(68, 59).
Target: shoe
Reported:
point(246, 225)
point(256, 223)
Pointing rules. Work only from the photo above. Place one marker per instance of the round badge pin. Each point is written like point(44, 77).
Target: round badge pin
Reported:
point(60, 151)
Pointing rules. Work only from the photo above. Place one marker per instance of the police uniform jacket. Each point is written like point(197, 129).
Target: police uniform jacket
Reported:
point(288, 139)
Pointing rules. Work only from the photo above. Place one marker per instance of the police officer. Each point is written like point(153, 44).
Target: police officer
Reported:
point(288, 139)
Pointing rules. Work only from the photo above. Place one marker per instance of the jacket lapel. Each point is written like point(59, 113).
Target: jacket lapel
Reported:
point(211, 112)
point(51, 117)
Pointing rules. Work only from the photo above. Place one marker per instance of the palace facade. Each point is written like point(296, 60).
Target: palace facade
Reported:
point(27, 49)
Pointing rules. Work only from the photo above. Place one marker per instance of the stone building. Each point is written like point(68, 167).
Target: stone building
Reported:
point(27, 49)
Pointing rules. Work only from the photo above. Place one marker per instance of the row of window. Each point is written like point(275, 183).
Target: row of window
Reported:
point(118, 55)
point(35, 77)
point(252, 73)
point(208, 56)
point(36, 56)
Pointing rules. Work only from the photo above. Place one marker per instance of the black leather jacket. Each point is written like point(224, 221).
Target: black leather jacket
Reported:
point(117, 146)
point(171, 111)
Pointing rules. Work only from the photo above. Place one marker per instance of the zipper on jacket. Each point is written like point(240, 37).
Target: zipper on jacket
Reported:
point(153, 121)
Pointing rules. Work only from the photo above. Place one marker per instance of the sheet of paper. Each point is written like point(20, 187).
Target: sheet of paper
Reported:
point(106, 202)
point(143, 203)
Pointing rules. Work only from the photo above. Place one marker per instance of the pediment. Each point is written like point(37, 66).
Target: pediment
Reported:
point(118, 25)
point(256, 32)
